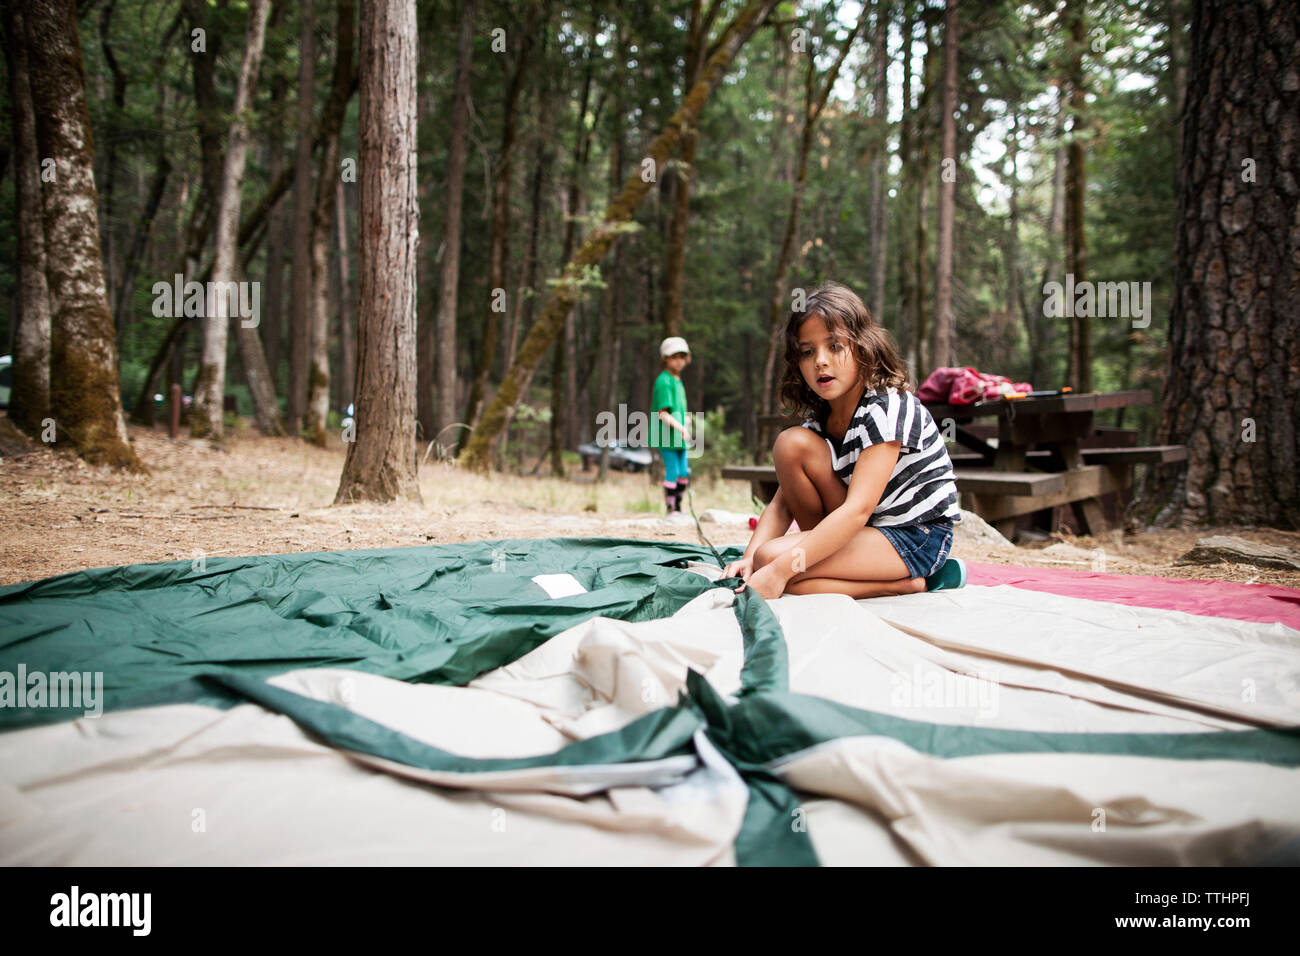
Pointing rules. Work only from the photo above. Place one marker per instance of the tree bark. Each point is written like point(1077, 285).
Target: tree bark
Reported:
point(85, 398)
point(29, 401)
point(318, 398)
point(566, 291)
point(1231, 390)
point(206, 417)
point(301, 294)
point(941, 350)
point(380, 464)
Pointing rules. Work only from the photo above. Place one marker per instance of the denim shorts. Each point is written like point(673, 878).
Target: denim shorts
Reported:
point(923, 547)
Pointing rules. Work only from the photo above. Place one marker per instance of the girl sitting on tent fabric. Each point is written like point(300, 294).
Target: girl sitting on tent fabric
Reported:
point(867, 474)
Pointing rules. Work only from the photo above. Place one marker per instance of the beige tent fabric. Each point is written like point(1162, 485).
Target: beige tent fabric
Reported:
point(1055, 809)
point(132, 787)
point(1239, 669)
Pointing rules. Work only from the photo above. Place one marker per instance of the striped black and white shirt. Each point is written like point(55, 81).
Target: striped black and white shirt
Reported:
point(922, 487)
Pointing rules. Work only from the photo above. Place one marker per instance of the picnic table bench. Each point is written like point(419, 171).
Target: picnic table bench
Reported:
point(1037, 454)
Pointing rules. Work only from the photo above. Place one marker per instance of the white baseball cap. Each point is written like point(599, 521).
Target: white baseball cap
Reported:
point(673, 345)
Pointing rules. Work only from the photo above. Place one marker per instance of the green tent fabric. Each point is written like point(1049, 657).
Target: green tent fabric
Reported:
point(441, 614)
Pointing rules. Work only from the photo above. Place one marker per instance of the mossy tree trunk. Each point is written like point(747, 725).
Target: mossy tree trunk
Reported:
point(85, 396)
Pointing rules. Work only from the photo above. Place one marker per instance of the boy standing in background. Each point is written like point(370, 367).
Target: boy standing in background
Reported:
point(668, 429)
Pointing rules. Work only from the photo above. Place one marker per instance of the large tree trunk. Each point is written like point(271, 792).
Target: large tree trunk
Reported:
point(443, 411)
point(499, 258)
point(1079, 370)
point(206, 418)
point(940, 352)
point(1231, 389)
point(318, 398)
point(380, 465)
point(85, 398)
point(300, 297)
point(566, 291)
point(29, 402)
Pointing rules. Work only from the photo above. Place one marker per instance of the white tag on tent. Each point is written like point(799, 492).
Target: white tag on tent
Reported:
point(559, 585)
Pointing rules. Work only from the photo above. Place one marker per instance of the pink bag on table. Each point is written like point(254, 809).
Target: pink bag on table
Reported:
point(938, 385)
point(966, 386)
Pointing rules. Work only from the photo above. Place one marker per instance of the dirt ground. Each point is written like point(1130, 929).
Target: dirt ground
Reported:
point(265, 496)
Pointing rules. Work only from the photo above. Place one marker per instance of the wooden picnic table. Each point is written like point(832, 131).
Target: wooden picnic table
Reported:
point(1004, 487)
point(1036, 454)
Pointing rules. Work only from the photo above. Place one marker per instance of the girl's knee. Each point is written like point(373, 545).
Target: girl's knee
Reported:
point(793, 445)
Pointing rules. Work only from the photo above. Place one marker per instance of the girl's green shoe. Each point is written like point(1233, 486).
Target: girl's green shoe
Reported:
point(949, 577)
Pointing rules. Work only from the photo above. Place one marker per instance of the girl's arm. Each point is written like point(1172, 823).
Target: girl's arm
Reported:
point(668, 420)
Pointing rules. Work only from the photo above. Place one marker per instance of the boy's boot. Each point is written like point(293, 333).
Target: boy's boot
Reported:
point(682, 484)
point(670, 496)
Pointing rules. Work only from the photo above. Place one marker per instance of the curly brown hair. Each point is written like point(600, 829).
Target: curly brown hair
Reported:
point(846, 315)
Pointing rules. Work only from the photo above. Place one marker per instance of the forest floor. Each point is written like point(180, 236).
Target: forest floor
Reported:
point(262, 495)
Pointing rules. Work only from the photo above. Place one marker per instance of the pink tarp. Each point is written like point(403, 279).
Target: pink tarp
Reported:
point(1242, 602)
